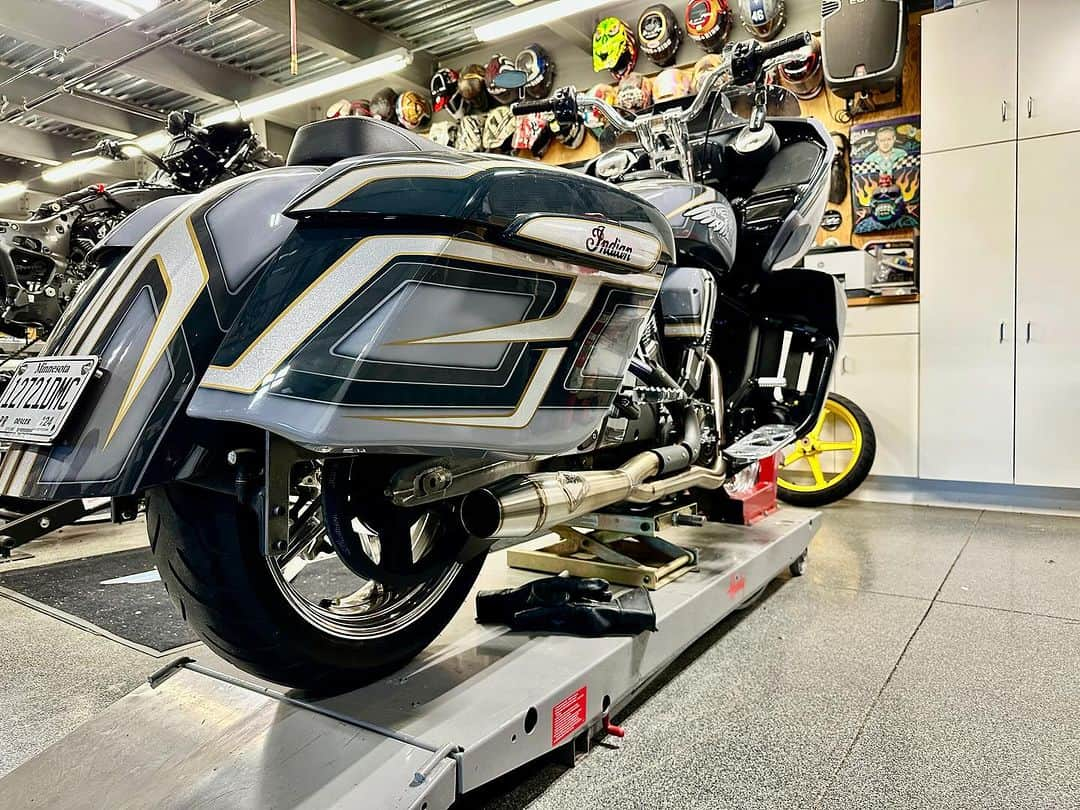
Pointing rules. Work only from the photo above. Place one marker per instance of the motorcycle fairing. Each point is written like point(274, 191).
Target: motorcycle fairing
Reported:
point(411, 341)
point(155, 317)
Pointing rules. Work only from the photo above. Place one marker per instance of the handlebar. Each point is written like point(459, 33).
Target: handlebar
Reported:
point(744, 65)
point(782, 47)
point(531, 106)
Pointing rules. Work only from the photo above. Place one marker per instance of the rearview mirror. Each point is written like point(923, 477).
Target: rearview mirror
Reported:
point(508, 79)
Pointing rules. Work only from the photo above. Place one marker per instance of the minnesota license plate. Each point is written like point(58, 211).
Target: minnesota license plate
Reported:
point(42, 396)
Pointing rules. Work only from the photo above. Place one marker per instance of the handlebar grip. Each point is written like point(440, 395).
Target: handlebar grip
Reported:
point(772, 50)
point(530, 106)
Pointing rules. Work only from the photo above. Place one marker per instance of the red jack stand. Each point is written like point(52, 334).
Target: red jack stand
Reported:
point(758, 501)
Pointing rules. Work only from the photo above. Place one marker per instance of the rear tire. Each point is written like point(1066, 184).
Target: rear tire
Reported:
point(206, 547)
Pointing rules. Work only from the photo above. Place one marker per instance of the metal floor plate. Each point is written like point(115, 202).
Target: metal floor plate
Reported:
point(501, 699)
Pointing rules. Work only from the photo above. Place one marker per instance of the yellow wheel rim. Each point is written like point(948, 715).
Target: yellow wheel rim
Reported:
point(824, 463)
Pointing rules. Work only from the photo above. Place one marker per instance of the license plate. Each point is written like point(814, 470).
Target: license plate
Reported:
point(42, 396)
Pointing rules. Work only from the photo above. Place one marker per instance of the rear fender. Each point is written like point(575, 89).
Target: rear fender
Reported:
point(156, 315)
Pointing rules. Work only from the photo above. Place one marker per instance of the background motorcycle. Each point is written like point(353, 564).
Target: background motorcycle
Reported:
point(43, 259)
point(340, 381)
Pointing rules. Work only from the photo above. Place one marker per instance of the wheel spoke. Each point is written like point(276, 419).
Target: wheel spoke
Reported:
point(827, 447)
point(815, 468)
point(793, 456)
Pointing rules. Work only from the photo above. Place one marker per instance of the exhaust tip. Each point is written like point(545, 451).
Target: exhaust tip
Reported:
point(481, 513)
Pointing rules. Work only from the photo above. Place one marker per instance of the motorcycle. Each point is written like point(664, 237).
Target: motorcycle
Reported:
point(339, 382)
point(44, 259)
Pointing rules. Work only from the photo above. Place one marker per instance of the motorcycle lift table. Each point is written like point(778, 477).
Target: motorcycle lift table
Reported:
point(478, 703)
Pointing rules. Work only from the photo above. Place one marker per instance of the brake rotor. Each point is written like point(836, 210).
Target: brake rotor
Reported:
point(353, 500)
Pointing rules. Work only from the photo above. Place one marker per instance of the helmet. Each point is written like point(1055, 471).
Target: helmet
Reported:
point(592, 120)
point(344, 108)
point(803, 75)
point(533, 133)
point(614, 47)
point(470, 135)
point(443, 86)
point(539, 71)
point(413, 110)
point(659, 34)
point(384, 105)
point(471, 85)
point(708, 22)
point(703, 68)
point(495, 66)
point(444, 133)
point(762, 18)
point(499, 128)
point(671, 83)
point(634, 93)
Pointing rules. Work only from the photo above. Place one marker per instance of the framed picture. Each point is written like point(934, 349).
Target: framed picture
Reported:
point(885, 160)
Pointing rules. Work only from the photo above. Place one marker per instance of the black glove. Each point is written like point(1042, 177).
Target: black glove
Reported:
point(573, 605)
point(498, 607)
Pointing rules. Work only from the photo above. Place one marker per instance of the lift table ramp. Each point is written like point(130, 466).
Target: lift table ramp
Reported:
point(477, 704)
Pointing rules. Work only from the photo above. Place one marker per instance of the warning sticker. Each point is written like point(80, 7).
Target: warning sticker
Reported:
point(568, 716)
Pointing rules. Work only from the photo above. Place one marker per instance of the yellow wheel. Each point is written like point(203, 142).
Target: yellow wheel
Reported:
point(832, 460)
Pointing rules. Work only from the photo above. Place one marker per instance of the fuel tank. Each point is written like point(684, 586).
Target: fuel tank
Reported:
point(701, 219)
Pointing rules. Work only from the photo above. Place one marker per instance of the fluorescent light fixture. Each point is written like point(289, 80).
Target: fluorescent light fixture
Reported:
point(10, 190)
point(74, 168)
point(125, 8)
point(365, 71)
point(153, 141)
point(534, 17)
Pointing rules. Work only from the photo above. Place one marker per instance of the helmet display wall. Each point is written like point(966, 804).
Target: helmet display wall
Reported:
point(640, 54)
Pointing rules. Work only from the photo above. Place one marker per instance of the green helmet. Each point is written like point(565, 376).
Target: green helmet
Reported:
point(614, 47)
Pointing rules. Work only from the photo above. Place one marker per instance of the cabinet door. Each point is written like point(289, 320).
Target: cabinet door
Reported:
point(966, 308)
point(1049, 62)
point(1048, 329)
point(969, 75)
point(879, 373)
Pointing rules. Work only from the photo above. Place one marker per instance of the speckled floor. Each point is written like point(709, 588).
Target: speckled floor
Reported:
point(928, 659)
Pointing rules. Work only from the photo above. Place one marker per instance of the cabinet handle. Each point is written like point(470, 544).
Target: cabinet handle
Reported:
point(845, 366)
point(1027, 339)
point(1031, 103)
point(1004, 111)
point(1001, 332)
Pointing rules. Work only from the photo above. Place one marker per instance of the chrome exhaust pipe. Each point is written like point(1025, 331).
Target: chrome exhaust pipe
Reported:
point(527, 505)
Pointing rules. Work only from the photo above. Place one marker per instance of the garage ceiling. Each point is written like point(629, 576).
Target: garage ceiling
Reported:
point(236, 58)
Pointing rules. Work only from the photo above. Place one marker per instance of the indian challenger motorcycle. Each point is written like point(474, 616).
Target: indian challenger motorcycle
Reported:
point(45, 258)
point(338, 382)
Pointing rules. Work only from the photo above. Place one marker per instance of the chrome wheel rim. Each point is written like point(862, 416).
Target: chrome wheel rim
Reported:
point(324, 593)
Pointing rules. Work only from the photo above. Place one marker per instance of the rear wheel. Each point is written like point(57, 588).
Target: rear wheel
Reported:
point(305, 618)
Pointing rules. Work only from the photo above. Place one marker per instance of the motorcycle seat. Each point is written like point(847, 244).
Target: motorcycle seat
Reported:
point(324, 142)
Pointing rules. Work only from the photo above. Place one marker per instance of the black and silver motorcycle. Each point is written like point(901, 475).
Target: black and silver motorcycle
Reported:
point(43, 259)
point(340, 381)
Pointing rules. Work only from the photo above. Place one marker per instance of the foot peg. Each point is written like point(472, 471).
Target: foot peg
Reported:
point(761, 443)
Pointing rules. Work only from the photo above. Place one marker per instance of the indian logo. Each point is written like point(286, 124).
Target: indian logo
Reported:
point(614, 248)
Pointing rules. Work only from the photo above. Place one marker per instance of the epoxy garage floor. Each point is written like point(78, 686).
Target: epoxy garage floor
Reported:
point(930, 658)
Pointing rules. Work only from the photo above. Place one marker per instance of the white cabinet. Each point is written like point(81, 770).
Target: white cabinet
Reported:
point(880, 373)
point(967, 301)
point(1049, 63)
point(969, 75)
point(1048, 325)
